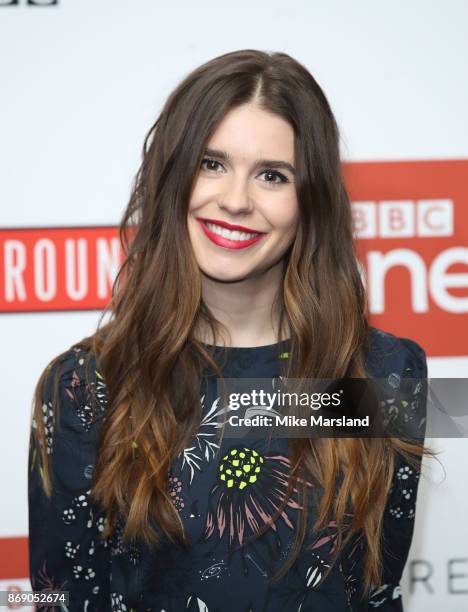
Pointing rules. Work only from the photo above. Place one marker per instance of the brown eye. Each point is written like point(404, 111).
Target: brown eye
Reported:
point(209, 164)
point(276, 175)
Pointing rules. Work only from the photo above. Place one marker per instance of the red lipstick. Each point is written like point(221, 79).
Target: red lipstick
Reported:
point(230, 226)
point(228, 243)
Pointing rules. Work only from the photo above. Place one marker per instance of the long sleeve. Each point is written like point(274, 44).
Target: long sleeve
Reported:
point(65, 551)
point(398, 525)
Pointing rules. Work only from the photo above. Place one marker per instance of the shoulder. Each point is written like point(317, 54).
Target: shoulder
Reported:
point(73, 392)
point(388, 353)
point(400, 365)
point(72, 409)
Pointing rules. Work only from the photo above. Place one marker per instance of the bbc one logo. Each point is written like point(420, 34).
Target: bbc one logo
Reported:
point(428, 278)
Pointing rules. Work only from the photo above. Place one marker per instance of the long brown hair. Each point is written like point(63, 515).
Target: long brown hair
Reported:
point(148, 354)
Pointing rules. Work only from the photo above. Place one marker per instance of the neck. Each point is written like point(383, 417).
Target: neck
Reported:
point(245, 308)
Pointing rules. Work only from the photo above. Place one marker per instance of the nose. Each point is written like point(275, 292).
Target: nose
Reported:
point(235, 198)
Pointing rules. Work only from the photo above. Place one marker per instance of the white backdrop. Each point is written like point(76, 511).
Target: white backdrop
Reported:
point(81, 83)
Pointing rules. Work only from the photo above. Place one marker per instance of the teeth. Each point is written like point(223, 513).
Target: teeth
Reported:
point(232, 235)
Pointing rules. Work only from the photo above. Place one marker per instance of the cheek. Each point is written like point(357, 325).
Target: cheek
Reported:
point(193, 202)
point(196, 197)
point(203, 191)
point(284, 216)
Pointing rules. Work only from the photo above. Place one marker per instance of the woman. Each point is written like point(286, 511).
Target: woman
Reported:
point(239, 262)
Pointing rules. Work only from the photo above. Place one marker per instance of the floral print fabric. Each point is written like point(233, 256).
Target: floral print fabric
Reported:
point(227, 497)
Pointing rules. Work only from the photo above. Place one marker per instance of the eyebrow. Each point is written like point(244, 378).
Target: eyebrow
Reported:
point(270, 163)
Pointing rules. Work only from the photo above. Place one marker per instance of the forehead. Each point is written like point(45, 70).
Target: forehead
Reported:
point(250, 132)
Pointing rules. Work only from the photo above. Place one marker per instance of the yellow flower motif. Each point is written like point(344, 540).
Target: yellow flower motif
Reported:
point(240, 468)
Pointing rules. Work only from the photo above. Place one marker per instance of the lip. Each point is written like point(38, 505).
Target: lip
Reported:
point(227, 243)
point(229, 226)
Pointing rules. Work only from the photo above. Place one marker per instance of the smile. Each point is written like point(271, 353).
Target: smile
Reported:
point(227, 238)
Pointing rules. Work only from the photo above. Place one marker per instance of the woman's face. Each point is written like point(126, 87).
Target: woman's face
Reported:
point(243, 211)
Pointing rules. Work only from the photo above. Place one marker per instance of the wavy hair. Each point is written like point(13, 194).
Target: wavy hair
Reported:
point(149, 356)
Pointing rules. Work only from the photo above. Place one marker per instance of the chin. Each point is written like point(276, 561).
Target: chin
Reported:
point(226, 276)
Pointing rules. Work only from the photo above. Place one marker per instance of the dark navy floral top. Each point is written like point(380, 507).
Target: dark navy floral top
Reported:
point(224, 496)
